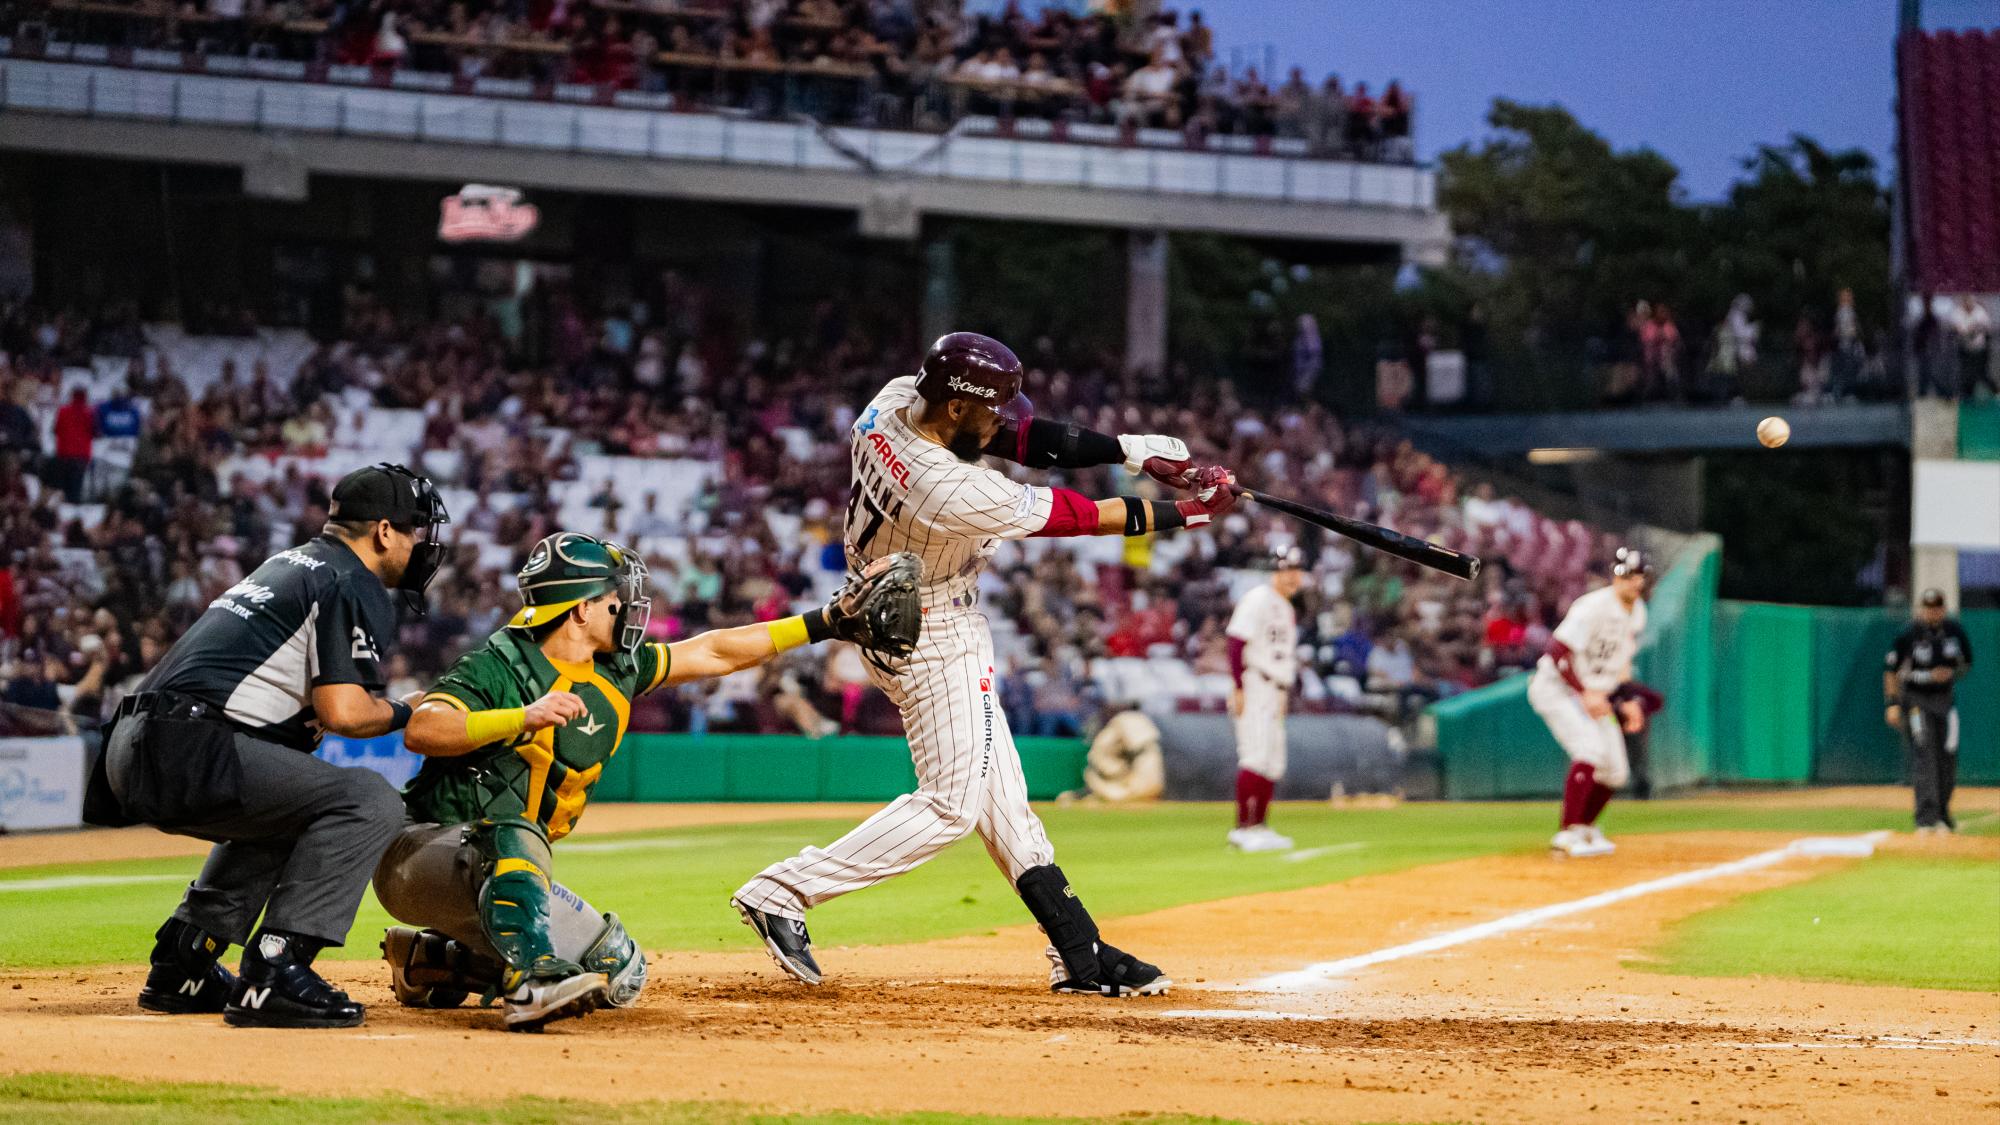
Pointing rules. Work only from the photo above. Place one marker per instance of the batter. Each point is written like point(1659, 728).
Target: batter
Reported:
point(919, 487)
point(1264, 661)
point(1588, 659)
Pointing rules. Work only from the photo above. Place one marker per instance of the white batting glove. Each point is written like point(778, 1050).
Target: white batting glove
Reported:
point(1165, 459)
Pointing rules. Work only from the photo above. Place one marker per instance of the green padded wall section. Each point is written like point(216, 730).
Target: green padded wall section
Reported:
point(1764, 719)
point(1677, 657)
point(1979, 431)
point(752, 767)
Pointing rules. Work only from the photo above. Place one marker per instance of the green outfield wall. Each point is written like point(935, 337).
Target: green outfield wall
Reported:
point(759, 767)
point(1755, 693)
point(1979, 431)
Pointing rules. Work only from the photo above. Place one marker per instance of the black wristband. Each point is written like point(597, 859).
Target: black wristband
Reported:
point(817, 629)
point(1143, 516)
point(399, 714)
point(1138, 517)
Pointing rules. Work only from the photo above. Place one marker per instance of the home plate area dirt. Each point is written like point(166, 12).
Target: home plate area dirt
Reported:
point(1542, 1024)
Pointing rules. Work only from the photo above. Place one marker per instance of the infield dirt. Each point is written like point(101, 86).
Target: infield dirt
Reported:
point(1538, 1025)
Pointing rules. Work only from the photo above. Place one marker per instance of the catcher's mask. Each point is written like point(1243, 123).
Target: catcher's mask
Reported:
point(411, 502)
point(568, 568)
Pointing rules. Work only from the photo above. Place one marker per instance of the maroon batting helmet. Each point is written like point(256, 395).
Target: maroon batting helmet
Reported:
point(966, 365)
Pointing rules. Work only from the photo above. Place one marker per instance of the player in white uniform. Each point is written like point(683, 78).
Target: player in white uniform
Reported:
point(1589, 659)
point(919, 487)
point(1264, 660)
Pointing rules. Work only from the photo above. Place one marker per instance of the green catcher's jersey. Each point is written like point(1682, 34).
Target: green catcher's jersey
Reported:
point(545, 777)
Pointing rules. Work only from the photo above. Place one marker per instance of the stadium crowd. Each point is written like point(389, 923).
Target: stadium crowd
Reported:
point(106, 563)
point(898, 63)
point(1944, 351)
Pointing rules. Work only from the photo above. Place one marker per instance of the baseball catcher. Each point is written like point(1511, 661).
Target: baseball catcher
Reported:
point(515, 736)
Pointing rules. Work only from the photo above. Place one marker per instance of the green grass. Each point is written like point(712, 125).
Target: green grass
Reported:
point(672, 892)
point(40, 1098)
point(1915, 921)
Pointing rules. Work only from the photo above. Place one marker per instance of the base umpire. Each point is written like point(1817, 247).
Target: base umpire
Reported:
point(1918, 675)
point(217, 744)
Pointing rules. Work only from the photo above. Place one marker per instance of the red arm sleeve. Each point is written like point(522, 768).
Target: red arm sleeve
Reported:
point(1073, 513)
point(1559, 655)
point(1236, 660)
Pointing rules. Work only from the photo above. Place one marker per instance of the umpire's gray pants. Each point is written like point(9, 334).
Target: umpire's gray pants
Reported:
point(299, 851)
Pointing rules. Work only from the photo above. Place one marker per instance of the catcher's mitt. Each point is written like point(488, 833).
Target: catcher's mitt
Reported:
point(880, 610)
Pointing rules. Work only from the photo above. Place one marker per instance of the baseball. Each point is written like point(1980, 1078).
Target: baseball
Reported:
point(1774, 432)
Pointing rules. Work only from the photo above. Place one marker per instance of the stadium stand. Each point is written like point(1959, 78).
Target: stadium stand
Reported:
point(1948, 107)
point(913, 64)
point(201, 454)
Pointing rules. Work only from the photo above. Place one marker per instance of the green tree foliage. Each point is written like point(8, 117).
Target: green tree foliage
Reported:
point(1561, 234)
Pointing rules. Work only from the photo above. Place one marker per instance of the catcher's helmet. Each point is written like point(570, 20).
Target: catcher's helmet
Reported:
point(966, 365)
point(568, 567)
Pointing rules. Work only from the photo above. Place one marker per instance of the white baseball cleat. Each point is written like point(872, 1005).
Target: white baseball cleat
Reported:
point(1566, 839)
point(538, 1003)
point(1259, 838)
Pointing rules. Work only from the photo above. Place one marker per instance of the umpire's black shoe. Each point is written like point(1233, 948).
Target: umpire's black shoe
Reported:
point(790, 945)
point(185, 978)
point(1118, 974)
point(172, 989)
point(279, 990)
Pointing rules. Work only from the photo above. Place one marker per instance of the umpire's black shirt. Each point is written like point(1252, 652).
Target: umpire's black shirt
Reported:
point(309, 616)
point(1923, 649)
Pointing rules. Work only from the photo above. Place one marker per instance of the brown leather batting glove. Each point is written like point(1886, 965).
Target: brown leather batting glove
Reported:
point(1214, 494)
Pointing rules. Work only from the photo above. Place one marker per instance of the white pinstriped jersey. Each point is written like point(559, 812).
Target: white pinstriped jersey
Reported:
point(1269, 629)
point(1603, 637)
point(912, 494)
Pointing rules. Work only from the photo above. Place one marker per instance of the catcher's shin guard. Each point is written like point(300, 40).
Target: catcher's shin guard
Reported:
point(620, 959)
point(429, 970)
point(514, 900)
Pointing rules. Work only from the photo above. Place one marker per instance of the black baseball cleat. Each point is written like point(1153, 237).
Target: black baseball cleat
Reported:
point(277, 989)
point(1119, 974)
point(790, 945)
point(175, 991)
point(185, 978)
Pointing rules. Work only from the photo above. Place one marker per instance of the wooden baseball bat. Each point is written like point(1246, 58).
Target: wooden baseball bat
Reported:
point(1402, 546)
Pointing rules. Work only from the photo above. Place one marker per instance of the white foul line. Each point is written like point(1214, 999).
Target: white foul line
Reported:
point(66, 882)
point(1527, 919)
point(1304, 854)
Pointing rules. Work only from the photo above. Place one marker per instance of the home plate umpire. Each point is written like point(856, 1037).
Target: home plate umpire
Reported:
point(217, 744)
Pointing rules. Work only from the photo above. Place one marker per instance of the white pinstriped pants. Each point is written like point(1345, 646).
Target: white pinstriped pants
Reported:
point(1260, 727)
point(968, 779)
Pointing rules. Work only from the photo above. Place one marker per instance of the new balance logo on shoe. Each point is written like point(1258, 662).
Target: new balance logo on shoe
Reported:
point(192, 987)
point(255, 997)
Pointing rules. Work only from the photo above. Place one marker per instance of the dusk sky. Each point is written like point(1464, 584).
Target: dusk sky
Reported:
point(1701, 81)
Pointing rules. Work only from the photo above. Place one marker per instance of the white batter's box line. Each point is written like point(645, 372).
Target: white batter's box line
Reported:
point(1325, 971)
point(69, 882)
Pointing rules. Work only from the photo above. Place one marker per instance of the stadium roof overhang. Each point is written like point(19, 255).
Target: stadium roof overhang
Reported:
point(282, 133)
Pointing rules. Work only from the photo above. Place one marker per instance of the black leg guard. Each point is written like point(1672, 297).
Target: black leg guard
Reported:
point(1073, 932)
